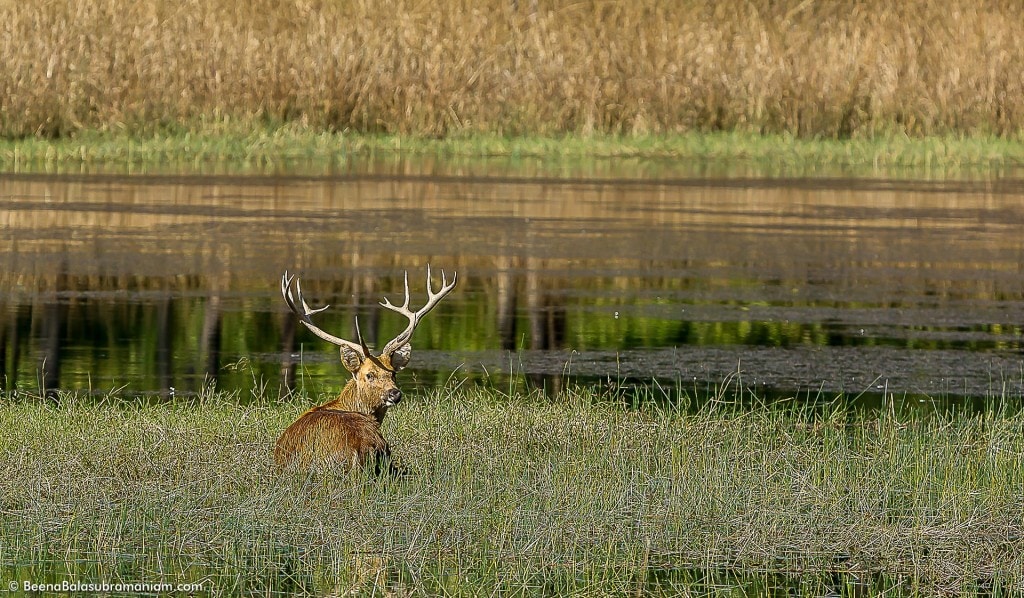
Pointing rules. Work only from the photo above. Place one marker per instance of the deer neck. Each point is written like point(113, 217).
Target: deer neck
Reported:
point(351, 399)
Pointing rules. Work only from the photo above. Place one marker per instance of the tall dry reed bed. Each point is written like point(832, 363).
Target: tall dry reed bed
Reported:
point(832, 69)
point(516, 494)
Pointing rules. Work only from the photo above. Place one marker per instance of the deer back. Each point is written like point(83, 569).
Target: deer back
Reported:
point(326, 439)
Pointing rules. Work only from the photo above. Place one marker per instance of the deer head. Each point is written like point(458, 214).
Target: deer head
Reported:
point(373, 388)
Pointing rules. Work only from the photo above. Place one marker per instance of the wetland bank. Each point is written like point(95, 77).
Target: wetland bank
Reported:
point(739, 311)
point(808, 385)
point(879, 315)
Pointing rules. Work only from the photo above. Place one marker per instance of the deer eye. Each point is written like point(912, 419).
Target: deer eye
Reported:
point(371, 377)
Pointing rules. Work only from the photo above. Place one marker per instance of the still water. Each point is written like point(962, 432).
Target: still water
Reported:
point(161, 283)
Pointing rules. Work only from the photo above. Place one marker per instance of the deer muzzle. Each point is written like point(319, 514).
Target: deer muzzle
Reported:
point(392, 397)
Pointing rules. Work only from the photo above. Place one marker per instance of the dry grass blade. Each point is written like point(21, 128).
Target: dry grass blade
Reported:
point(398, 66)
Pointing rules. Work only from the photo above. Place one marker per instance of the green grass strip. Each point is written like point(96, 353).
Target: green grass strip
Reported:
point(276, 144)
point(517, 494)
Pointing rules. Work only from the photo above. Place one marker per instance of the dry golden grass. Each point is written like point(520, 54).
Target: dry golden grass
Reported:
point(846, 69)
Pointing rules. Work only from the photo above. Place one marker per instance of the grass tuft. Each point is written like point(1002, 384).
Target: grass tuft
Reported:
point(517, 494)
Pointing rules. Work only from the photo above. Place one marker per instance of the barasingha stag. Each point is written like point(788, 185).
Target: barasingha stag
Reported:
point(345, 433)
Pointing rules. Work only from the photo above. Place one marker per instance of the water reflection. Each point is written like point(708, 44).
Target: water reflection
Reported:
point(165, 283)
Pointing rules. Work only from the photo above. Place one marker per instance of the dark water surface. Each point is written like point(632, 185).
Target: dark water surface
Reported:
point(795, 286)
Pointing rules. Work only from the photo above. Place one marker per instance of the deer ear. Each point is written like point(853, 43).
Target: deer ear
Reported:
point(400, 358)
point(351, 359)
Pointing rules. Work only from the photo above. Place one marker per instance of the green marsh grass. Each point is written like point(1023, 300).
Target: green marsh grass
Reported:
point(239, 147)
point(517, 494)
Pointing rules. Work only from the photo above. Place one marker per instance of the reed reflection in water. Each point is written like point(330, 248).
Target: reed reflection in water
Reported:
point(159, 282)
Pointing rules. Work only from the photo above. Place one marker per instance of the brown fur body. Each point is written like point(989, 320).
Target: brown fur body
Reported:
point(328, 439)
point(344, 433)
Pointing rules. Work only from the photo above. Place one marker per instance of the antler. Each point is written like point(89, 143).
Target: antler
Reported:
point(294, 299)
point(414, 317)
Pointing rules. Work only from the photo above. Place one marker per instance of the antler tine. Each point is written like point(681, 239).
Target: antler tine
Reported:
point(294, 298)
point(414, 317)
point(405, 304)
point(286, 291)
point(405, 278)
point(306, 310)
point(366, 350)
